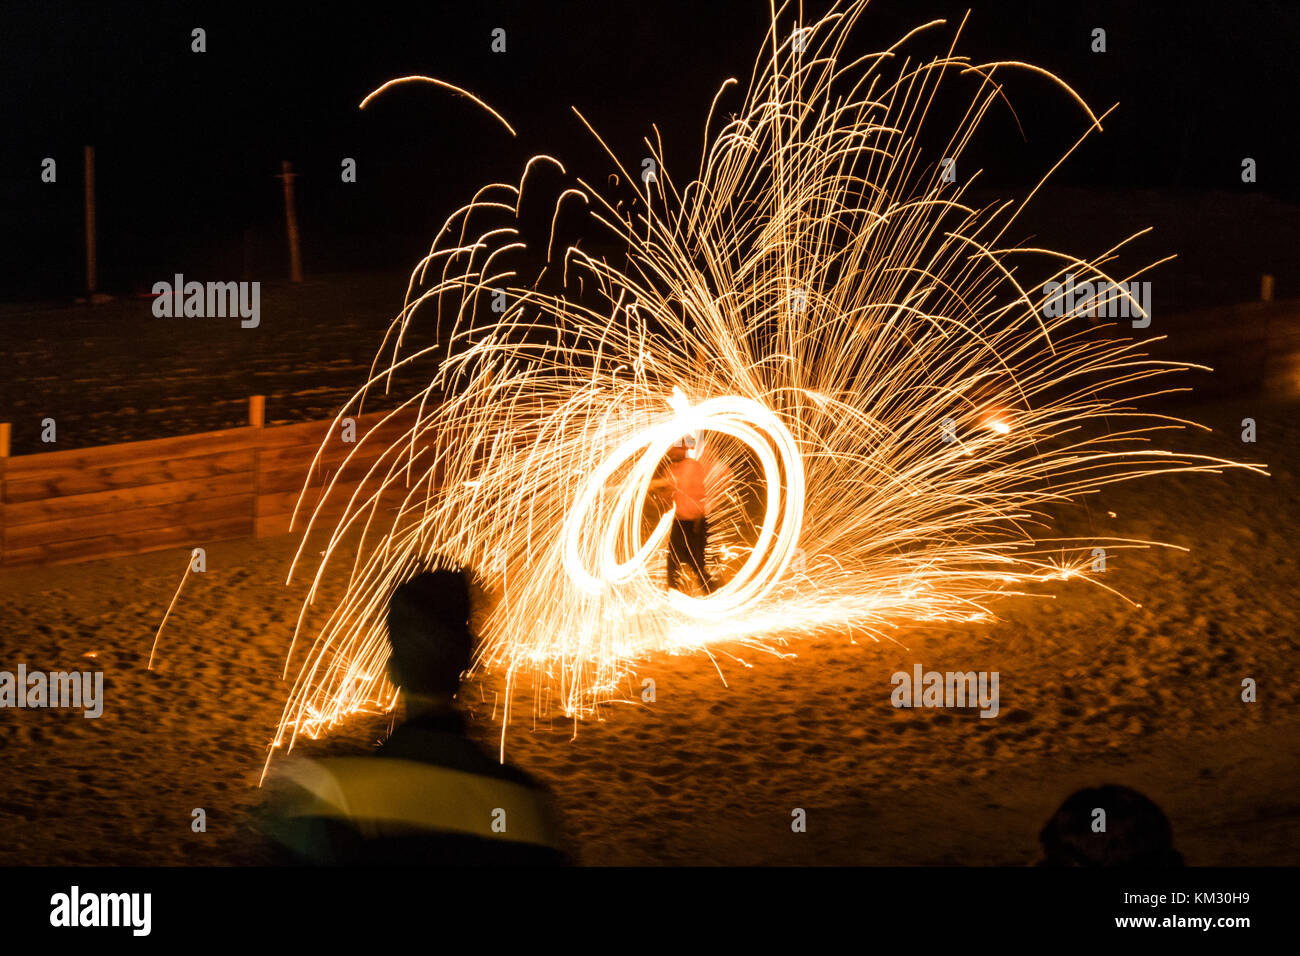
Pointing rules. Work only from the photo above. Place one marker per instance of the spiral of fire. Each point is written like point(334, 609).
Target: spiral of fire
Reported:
point(606, 522)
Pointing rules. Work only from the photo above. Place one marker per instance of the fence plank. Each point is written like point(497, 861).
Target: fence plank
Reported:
point(277, 476)
point(169, 515)
point(157, 449)
point(120, 500)
point(72, 481)
point(303, 455)
point(195, 534)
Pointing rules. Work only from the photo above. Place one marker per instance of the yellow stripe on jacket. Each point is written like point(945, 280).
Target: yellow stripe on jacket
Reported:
point(374, 794)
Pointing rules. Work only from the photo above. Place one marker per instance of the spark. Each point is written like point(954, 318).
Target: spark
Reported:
point(818, 307)
point(161, 624)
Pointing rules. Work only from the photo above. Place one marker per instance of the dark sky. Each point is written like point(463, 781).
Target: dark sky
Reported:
point(188, 144)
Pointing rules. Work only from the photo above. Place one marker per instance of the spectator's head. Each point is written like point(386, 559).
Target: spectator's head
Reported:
point(428, 631)
point(1137, 832)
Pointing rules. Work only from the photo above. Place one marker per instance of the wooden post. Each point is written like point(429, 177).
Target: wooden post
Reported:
point(1266, 288)
point(91, 269)
point(256, 418)
point(4, 456)
point(291, 219)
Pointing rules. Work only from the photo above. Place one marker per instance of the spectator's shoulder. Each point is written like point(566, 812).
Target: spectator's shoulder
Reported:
point(306, 816)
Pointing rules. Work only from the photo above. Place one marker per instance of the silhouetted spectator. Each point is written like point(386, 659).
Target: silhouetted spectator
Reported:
point(429, 796)
point(1137, 832)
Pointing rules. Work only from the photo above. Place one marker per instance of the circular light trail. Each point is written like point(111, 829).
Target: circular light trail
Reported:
point(619, 524)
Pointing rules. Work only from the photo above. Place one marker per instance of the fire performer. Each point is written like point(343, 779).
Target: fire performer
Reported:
point(689, 539)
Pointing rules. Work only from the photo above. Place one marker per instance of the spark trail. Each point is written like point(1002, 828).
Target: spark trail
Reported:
point(824, 311)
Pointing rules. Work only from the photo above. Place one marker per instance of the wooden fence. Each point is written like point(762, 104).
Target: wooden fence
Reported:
point(64, 506)
point(123, 499)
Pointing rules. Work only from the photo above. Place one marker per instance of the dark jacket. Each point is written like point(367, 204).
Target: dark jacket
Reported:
point(428, 797)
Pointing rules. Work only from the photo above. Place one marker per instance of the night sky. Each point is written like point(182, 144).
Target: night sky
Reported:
point(188, 144)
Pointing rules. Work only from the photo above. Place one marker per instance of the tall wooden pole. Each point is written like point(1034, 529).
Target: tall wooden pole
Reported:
point(291, 219)
point(257, 419)
point(4, 456)
point(91, 277)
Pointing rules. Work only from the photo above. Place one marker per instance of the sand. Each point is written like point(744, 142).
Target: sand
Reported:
point(1092, 691)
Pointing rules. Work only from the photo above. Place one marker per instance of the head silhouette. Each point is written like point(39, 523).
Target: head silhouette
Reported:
point(1137, 832)
point(428, 631)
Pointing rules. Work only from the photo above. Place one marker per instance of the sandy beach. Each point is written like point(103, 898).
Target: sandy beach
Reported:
point(1093, 690)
